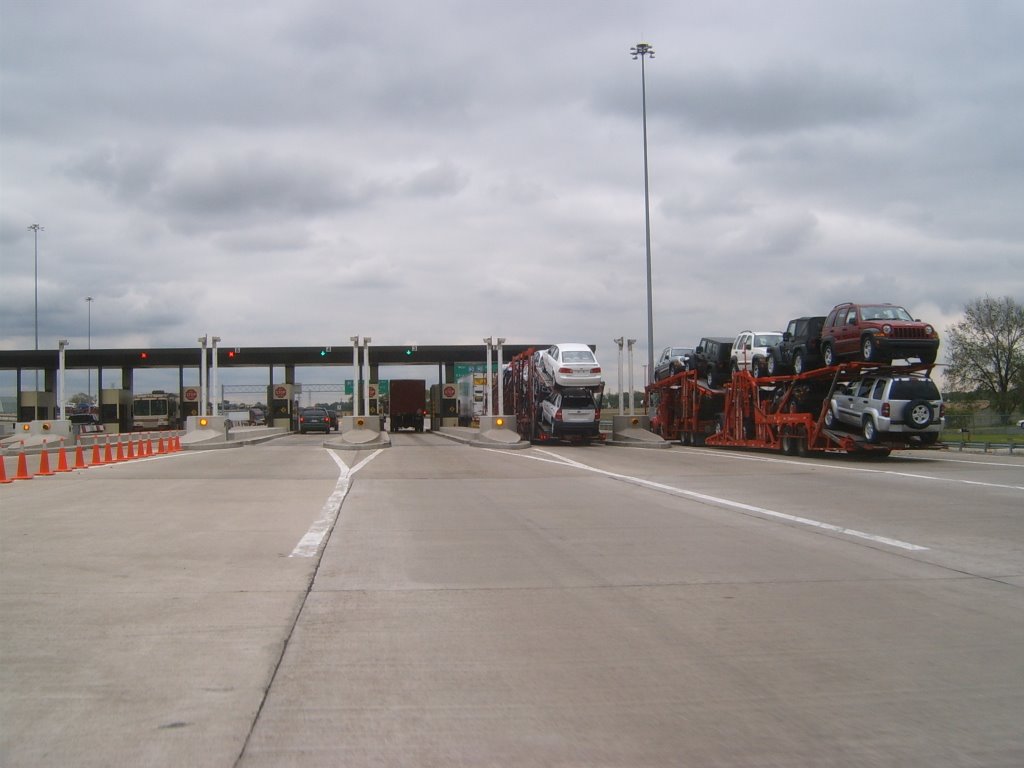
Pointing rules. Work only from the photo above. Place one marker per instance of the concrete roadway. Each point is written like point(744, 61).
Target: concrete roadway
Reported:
point(555, 606)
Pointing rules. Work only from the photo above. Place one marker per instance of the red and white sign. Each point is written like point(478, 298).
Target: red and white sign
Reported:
point(191, 395)
point(280, 393)
point(449, 391)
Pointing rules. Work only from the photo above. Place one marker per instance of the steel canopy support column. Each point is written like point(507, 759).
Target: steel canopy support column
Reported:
point(356, 371)
point(489, 341)
point(215, 394)
point(629, 344)
point(501, 380)
point(366, 364)
point(202, 374)
point(620, 341)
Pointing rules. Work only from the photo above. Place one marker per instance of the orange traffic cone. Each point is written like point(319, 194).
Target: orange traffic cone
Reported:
point(160, 445)
point(131, 449)
point(120, 450)
point(149, 446)
point(108, 454)
point(23, 468)
point(44, 463)
point(80, 458)
point(22, 473)
point(62, 459)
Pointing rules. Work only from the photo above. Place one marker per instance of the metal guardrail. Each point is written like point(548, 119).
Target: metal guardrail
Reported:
point(984, 447)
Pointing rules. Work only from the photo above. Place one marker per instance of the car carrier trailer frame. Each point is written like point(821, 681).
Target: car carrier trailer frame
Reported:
point(779, 413)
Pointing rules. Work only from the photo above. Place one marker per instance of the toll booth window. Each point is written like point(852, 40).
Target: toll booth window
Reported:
point(108, 412)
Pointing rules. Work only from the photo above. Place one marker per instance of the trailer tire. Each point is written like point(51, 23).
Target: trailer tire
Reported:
point(799, 364)
point(787, 445)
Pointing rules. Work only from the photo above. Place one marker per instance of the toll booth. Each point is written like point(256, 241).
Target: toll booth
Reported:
point(37, 405)
point(281, 399)
point(444, 406)
point(116, 410)
point(189, 402)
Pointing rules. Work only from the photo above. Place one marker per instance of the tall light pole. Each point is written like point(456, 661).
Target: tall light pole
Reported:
point(642, 51)
point(35, 228)
point(88, 303)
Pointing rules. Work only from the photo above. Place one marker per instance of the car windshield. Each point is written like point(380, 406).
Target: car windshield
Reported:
point(767, 339)
point(914, 389)
point(578, 356)
point(681, 351)
point(885, 313)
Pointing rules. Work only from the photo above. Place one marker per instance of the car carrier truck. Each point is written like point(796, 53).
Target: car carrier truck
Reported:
point(546, 411)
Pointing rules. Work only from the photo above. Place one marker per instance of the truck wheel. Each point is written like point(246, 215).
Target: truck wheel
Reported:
point(830, 418)
point(772, 365)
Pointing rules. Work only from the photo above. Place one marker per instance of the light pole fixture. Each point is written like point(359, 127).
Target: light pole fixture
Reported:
point(88, 302)
point(642, 51)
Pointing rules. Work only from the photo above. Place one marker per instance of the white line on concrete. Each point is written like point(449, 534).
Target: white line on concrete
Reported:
point(719, 501)
point(309, 544)
point(844, 468)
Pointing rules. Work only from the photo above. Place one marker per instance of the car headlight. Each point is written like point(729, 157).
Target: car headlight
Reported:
point(887, 329)
point(929, 330)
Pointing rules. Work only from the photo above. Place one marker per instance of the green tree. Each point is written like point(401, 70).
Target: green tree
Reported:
point(986, 353)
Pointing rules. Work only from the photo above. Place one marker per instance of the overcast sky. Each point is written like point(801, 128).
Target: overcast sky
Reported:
point(295, 173)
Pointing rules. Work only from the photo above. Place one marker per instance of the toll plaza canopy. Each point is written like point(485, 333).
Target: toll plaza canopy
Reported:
point(230, 356)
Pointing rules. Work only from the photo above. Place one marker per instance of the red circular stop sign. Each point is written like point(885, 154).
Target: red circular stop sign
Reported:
point(280, 393)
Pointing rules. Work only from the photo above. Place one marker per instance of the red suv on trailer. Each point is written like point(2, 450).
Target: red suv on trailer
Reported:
point(876, 333)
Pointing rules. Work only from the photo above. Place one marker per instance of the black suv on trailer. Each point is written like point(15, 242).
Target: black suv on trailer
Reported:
point(800, 348)
point(712, 359)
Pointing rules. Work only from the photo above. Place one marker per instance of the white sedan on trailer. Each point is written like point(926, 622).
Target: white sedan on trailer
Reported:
point(571, 365)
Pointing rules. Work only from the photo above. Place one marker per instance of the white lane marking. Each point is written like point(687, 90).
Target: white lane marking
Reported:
point(719, 501)
point(841, 468)
point(309, 544)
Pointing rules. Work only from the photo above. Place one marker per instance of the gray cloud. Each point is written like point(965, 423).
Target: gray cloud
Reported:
point(445, 171)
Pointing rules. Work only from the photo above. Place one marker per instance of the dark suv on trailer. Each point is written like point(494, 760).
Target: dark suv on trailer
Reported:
point(876, 333)
point(712, 359)
point(800, 348)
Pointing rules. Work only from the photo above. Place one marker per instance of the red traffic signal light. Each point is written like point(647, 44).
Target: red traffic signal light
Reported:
point(144, 355)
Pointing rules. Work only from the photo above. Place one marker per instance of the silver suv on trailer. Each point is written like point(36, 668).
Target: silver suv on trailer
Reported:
point(907, 408)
